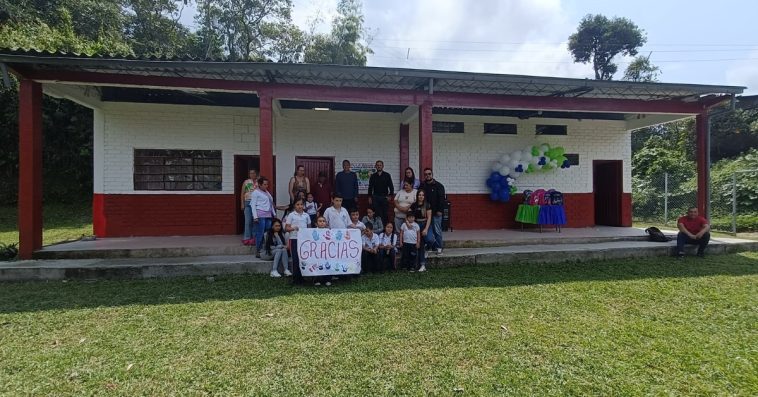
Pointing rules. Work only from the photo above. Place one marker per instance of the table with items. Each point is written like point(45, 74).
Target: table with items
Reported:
point(542, 207)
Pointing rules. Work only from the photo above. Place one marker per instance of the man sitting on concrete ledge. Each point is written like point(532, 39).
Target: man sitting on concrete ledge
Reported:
point(693, 229)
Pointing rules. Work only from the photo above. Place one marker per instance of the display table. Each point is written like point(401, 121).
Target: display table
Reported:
point(541, 215)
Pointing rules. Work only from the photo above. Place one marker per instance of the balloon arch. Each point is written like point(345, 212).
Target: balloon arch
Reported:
point(510, 166)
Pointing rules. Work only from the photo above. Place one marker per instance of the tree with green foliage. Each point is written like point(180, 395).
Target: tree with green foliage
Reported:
point(250, 30)
point(642, 70)
point(346, 43)
point(599, 39)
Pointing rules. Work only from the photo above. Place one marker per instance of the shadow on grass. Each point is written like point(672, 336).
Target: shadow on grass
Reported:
point(41, 296)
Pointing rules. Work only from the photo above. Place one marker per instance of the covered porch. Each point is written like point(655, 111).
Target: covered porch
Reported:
point(273, 89)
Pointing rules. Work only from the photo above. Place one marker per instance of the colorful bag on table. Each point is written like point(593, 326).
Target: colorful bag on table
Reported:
point(537, 197)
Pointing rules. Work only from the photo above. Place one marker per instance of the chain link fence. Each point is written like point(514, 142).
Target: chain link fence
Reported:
point(663, 198)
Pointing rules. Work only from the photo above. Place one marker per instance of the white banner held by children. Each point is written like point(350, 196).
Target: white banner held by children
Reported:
point(324, 252)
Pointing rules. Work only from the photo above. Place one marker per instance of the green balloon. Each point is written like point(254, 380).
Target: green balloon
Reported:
point(530, 168)
point(535, 151)
point(513, 190)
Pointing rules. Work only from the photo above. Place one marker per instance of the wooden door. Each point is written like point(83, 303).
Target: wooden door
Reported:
point(608, 188)
point(314, 165)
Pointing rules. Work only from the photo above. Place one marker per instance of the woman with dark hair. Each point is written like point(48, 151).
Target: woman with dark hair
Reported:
point(423, 214)
point(412, 175)
point(263, 208)
point(299, 183)
point(275, 248)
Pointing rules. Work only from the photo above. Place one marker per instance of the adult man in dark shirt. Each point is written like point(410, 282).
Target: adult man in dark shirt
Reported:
point(379, 188)
point(435, 195)
point(322, 192)
point(693, 229)
point(346, 186)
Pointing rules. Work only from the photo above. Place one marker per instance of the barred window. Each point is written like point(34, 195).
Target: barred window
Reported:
point(548, 129)
point(161, 169)
point(572, 158)
point(447, 127)
point(499, 128)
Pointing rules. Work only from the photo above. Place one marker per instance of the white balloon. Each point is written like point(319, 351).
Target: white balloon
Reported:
point(537, 166)
point(513, 163)
point(516, 155)
point(542, 154)
point(505, 159)
point(504, 171)
point(535, 160)
point(496, 166)
point(526, 157)
point(554, 162)
point(544, 148)
point(528, 149)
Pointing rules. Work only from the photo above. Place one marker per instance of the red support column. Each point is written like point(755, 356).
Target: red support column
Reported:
point(701, 128)
point(425, 144)
point(404, 152)
point(29, 168)
point(266, 130)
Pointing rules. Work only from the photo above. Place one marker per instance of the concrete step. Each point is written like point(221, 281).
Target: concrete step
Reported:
point(176, 247)
point(137, 268)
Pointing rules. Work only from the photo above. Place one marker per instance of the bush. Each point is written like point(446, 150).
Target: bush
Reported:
point(8, 251)
point(745, 223)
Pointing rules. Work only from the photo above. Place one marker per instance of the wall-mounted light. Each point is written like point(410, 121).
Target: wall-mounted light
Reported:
point(321, 109)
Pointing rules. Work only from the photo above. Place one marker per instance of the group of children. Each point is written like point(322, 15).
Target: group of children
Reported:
point(380, 242)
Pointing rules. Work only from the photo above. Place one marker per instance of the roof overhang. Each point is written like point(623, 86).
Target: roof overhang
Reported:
point(389, 87)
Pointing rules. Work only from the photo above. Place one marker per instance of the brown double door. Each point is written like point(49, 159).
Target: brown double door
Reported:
point(314, 165)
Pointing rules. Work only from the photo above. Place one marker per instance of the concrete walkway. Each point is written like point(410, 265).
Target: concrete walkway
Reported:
point(193, 246)
point(136, 268)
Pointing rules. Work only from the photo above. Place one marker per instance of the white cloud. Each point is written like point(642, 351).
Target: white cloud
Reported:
point(745, 73)
point(516, 37)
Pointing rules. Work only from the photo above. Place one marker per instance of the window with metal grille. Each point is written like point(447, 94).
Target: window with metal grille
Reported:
point(572, 158)
point(498, 128)
point(161, 169)
point(447, 127)
point(547, 129)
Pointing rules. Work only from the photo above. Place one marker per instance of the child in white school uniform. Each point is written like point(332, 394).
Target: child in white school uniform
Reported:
point(370, 253)
point(295, 221)
point(387, 248)
point(410, 235)
point(312, 208)
point(336, 216)
point(354, 222)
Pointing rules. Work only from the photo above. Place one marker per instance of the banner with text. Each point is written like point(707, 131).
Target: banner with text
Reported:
point(325, 252)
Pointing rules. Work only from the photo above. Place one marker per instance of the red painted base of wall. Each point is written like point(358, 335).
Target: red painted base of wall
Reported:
point(477, 211)
point(123, 215)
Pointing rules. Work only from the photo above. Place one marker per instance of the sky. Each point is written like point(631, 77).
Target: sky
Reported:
point(690, 42)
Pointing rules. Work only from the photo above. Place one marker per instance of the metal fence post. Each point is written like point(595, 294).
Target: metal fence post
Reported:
point(665, 197)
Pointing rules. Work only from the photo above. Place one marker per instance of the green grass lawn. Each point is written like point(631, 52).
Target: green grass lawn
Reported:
point(627, 327)
point(61, 222)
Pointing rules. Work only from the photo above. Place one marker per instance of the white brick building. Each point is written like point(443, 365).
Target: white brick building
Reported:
point(173, 139)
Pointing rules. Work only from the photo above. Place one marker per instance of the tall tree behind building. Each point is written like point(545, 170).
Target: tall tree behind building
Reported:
point(599, 39)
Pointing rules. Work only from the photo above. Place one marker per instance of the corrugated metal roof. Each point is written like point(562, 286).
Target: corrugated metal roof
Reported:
point(361, 77)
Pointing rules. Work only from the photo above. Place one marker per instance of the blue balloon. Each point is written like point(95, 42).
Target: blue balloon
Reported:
point(489, 183)
point(495, 176)
point(565, 164)
point(520, 168)
point(505, 197)
point(496, 186)
point(542, 161)
point(493, 196)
